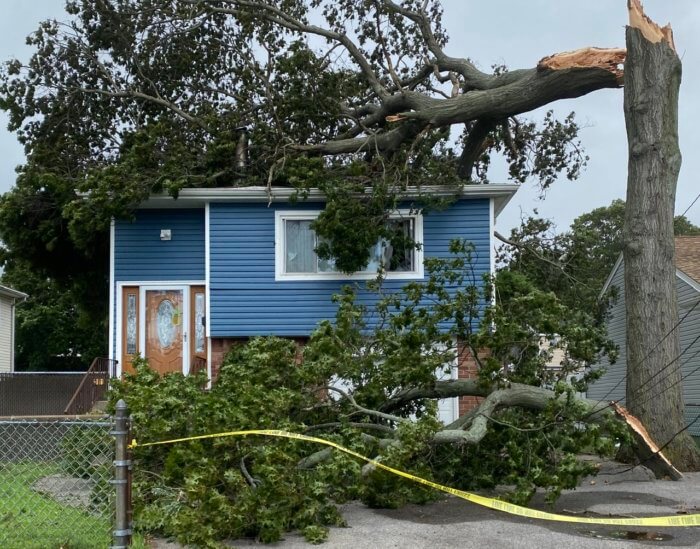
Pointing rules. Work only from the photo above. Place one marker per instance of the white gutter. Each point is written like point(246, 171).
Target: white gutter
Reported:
point(14, 294)
point(197, 197)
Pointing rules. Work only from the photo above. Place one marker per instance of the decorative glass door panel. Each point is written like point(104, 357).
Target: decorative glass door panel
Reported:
point(164, 329)
point(198, 337)
point(130, 328)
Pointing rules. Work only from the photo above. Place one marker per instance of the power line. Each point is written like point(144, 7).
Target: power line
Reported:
point(642, 360)
point(666, 366)
point(682, 378)
point(691, 205)
point(651, 397)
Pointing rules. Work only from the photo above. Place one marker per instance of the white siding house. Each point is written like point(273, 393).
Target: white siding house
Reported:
point(8, 299)
point(611, 386)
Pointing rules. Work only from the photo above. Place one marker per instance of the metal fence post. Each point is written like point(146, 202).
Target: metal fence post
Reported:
point(122, 464)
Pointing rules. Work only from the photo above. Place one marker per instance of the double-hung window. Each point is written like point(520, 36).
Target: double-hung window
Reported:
point(296, 243)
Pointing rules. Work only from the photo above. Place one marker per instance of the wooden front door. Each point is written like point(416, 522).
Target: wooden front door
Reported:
point(164, 329)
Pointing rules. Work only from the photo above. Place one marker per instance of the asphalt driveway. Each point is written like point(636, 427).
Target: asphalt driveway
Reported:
point(454, 523)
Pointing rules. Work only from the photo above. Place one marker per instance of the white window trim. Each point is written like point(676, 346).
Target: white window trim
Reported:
point(299, 215)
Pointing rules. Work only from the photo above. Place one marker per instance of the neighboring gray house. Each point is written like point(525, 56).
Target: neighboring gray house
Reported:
point(611, 386)
point(8, 299)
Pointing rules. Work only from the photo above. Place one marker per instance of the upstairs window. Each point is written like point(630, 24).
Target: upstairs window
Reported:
point(296, 258)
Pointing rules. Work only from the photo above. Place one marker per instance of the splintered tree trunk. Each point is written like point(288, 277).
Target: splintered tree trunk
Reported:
point(654, 387)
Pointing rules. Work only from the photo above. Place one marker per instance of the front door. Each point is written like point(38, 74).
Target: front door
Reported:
point(164, 329)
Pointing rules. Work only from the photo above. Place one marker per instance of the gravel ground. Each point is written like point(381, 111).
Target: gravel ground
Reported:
point(453, 522)
point(70, 491)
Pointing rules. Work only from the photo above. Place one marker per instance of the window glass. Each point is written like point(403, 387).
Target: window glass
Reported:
point(166, 323)
point(395, 254)
point(300, 242)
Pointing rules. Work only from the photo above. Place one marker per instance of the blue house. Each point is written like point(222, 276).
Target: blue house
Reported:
point(191, 276)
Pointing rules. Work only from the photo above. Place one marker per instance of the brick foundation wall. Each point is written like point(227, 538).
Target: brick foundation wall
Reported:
point(467, 368)
point(222, 345)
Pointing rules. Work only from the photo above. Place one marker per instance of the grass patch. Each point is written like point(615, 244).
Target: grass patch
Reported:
point(31, 520)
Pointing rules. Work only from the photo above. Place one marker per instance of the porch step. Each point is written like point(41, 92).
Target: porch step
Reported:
point(99, 407)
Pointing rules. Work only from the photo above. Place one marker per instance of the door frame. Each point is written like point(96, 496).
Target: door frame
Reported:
point(166, 285)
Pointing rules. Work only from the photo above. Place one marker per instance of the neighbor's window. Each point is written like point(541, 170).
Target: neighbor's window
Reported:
point(297, 260)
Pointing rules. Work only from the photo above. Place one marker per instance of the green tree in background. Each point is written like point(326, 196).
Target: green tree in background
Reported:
point(574, 264)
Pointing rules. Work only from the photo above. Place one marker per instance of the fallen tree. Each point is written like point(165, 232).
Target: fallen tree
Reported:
point(133, 97)
point(371, 380)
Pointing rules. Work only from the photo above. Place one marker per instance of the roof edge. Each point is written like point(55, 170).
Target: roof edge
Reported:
point(501, 193)
point(9, 292)
point(689, 280)
point(610, 276)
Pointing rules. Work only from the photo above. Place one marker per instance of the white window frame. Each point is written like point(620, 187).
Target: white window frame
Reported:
point(309, 215)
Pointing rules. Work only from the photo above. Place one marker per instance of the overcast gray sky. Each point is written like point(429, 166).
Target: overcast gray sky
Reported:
point(516, 33)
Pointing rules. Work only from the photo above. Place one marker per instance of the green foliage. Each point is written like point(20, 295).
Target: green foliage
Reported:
point(132, 97)
point(574, 264)
point(198, 490)
point(528, 450)
point(60, 326)
point(207, 490)
point(84, 449)
point(382, 489)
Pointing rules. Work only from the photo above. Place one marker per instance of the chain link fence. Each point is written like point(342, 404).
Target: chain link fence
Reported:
point(56, 487)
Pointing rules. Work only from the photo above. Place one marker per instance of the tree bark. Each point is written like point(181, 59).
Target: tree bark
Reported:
point(654, 387)
point(471, 428)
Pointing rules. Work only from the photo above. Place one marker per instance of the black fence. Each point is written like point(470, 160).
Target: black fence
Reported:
point(54, 393)
point(37, 393)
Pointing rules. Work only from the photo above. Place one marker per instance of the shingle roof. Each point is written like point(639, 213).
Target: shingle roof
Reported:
point(688, 255)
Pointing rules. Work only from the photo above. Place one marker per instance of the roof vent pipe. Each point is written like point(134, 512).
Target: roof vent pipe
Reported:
point(242, 149)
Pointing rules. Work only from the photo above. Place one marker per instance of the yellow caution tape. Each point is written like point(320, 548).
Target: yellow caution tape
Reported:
point(499, 505)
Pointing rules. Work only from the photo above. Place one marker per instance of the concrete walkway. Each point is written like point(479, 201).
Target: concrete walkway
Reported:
point(454, 523)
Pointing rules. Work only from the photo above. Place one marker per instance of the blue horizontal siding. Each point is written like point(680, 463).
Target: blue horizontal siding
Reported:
point(246, 300)
point(140, 254)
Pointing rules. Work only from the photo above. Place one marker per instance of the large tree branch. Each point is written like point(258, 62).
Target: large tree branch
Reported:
point(474, 147)
point(387, 141)
point(531, 398)
point(516, 394)
point(536, 88)
point(540, 87)
point(474, 78)
point(473, 426)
